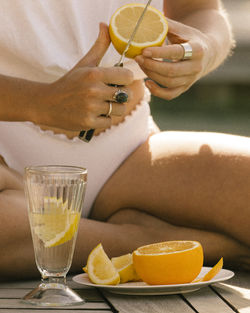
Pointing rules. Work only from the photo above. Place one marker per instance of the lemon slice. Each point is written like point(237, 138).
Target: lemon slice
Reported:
point(100, 269)
point(151, 32)
point(125, 268)
point(56, 225)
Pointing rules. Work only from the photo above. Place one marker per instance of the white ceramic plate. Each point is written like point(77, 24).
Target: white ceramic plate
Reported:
point(141, 288)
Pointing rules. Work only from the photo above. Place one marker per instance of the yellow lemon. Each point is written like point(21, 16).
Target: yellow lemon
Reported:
point(169, 262)
point(100, 269)
point(125, 268)
point(151, 32)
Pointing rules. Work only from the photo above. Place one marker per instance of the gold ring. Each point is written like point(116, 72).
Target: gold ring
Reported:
point(110, 109)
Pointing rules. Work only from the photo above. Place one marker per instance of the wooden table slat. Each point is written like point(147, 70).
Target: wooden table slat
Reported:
point(206, 301)
point(13, 293)
point(240, 279)
point(151, 304)
point(29, 284)
point(238, 297)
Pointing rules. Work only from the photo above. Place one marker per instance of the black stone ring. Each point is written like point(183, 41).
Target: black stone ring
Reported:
point(120, 96)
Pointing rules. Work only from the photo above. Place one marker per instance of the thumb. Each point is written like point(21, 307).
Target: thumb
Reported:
point(99, 48)
point(178, 32)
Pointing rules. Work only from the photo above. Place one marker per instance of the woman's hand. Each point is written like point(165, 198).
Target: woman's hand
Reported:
point(80, 99)
point(176, 75)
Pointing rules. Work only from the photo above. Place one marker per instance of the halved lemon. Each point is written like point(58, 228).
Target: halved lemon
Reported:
point(125, 268)
point(100, 269)
point(151, 32)
point(169, 262)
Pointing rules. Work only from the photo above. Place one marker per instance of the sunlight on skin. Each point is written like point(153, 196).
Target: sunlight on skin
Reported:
point(234, 144)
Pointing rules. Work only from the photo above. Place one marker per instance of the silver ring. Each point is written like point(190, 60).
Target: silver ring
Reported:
point(188, 51)
point(110, 109)
point(120, 96)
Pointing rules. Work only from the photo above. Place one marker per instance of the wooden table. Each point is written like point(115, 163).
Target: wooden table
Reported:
point(230, 296)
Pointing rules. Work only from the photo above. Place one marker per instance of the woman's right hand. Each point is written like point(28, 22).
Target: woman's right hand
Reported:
point(80, 99)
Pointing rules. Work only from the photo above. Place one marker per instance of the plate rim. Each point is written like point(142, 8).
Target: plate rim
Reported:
point(126, 286)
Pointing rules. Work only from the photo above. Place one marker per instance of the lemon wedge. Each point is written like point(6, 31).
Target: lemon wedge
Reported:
point(125, 268)
point(100, 269)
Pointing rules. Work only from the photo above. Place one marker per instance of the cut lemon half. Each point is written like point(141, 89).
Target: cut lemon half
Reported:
point(169, 262)
point(151, 32)
point(100, 269)
point(125, 268)
point(56, 225)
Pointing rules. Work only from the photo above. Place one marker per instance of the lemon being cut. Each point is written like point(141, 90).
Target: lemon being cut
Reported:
point(169, 262)
point(151, 32)
point(100, 269)
point(125, 268)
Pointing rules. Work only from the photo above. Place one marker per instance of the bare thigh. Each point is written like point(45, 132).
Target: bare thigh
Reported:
point(198, 180)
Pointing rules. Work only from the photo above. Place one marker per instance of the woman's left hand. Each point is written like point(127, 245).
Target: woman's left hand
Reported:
point(165, 65)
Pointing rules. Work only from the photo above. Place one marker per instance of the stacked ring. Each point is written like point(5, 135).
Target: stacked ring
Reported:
point(119, 96)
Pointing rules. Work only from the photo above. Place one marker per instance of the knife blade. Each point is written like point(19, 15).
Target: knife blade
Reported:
point(87, 135)
point(132, 36)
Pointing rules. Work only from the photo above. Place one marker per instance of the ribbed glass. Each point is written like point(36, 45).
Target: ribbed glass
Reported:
point(55, 196)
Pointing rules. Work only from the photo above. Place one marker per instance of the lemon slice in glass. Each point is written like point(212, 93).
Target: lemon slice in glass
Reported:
point(56, 224)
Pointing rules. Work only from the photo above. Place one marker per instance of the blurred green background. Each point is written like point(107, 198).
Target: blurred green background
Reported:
point(219, 102)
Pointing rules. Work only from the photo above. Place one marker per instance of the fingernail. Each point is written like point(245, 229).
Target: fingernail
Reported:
point(147, 53)
point(139, 60)
point(101, 25)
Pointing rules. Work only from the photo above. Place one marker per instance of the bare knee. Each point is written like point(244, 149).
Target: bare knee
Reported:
point(136, 217)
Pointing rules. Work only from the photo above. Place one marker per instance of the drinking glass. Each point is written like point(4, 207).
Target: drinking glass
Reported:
point(55, 197)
